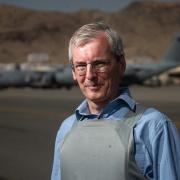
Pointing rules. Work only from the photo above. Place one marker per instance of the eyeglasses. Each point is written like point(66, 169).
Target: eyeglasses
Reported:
point(100, 66)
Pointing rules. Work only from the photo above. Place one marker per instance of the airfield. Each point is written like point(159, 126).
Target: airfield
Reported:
point(29, 120)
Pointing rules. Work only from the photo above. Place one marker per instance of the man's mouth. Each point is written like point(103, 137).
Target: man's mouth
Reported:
point(93, 87)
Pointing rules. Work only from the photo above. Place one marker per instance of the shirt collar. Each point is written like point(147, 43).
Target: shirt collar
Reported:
point(123, 100)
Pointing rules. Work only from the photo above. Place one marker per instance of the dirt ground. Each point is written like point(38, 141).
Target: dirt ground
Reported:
point(29, 120)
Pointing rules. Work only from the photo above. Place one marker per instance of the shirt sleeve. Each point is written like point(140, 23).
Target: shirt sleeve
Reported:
point(64, 129)
point(157, 145)
point(55, 175)
point(166, 158)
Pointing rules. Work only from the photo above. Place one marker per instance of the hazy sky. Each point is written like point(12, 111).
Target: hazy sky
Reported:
point(73, 5)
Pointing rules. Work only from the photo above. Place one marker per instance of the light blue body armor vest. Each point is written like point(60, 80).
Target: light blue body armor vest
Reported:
point(101, 150)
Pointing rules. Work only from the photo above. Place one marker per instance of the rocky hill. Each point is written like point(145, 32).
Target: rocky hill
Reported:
point(146, 29)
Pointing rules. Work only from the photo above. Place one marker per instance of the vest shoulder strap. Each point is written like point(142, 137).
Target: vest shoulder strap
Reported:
point(131, 117)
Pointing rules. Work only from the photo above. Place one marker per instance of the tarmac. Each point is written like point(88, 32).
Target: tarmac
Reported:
point(29, 120)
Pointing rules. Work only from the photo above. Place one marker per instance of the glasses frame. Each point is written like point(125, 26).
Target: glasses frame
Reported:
point(99, 66)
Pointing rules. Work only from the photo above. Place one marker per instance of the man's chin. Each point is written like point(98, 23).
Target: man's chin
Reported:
point(94, 93)
point(95, 97)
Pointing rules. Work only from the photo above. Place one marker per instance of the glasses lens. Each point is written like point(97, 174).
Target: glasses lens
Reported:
point(98, 66)
point(80, 69)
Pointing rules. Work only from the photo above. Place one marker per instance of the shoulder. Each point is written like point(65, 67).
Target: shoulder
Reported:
point(152, 116)
point(152, 124)
point(68, 122)
point(66, 126)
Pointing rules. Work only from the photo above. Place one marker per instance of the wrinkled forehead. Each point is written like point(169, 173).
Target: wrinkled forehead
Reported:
point(79, 41)
point(96, 46)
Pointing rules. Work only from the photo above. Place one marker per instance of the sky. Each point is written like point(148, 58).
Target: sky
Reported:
point(73, 5)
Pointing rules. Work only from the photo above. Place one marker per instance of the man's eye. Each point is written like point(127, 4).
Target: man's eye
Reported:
point(99, 64)
point(80, 66)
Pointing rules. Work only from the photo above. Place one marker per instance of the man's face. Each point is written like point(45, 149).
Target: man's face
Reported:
point(97, 87)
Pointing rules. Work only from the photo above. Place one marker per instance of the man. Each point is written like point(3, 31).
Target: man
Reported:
point(110, 136)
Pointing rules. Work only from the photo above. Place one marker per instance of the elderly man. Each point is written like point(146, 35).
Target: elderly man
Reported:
point(110, 136)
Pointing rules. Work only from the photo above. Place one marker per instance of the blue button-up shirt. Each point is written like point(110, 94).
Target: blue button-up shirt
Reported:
point(157, 140)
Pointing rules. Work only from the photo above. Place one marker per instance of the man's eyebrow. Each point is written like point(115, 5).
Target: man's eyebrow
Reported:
point(79, 62)
point(99, 60)
point(94, 61)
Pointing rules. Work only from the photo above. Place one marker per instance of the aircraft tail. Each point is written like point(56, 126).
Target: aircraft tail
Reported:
point(173, 53)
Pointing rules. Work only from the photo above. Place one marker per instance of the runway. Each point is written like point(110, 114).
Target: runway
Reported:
point(29, 120)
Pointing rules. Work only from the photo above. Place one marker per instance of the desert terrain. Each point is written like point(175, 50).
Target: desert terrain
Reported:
point(145, 27)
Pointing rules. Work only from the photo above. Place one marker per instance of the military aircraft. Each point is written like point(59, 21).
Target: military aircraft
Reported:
point(33, 78)
point(62, 77)
point(138, 73)
point(18, 78)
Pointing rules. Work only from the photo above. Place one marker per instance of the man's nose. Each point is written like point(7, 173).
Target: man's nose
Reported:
point(90, 72)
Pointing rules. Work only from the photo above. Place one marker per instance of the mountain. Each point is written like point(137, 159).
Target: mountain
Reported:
point(145, 27)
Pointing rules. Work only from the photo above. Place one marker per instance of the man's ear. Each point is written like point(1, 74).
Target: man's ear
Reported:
point(122, 65)
point(74, 75)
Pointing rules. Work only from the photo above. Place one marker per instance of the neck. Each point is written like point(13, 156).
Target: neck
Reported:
point(95, 108)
